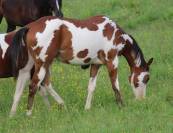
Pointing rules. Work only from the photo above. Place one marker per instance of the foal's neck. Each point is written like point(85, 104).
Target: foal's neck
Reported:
point(133, 54)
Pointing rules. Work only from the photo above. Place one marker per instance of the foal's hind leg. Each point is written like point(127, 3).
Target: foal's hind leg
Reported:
point(112, 69)
point(21, 81)
point(50, 89)
point(43, 93)
point(38, 77)
point(91, 86)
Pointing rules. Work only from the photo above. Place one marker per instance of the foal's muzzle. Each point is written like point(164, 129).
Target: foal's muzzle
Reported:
point(140, 93)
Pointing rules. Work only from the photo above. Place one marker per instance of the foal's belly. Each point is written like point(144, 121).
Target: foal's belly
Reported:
point(86, 53)
point(85, 61)
point(85, 46)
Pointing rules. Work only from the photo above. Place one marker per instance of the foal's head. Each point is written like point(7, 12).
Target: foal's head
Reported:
point(139, 78)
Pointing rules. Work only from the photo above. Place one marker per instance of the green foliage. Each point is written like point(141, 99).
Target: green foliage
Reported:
point(151, 23)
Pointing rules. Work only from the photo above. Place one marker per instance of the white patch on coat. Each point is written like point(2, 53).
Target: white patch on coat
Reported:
point(3, 44)
point(54, 94)
point(117, 83)
point(91, 88)
point(120, 46)
point(57, 4)
point(127, 37)
point(44, 39)
point(138, 60)
point(139, 91)
point(41, 75)
point(82, 38)
point(141, 77)
point(115, 62)
point(132, 80)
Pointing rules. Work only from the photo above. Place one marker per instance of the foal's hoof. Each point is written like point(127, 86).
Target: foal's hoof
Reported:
point(87, 107)
point(12, 114)
point(62, 106)
point(120, 103)
point(29, 112)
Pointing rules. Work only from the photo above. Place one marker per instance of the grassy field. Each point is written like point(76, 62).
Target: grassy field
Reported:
point(151, 23)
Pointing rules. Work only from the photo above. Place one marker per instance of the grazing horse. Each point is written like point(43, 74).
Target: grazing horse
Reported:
point(22, 12)
point(25, 71)
point(96, 41)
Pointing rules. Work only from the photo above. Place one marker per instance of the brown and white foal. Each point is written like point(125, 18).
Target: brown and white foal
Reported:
point(25, 65)
point(96, 41)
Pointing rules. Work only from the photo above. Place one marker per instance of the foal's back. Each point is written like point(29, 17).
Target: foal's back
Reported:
point(75, 41)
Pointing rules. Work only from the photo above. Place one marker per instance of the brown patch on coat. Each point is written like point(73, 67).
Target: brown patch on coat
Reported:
point(87, 60)
point(145, 79)
point(108, 31)
point(118, 39)
point(34, 28)
point(90, 24)
point(102, 56)
point(136, 71)
point(111, 54)
point(65, 44)
point(83, 53)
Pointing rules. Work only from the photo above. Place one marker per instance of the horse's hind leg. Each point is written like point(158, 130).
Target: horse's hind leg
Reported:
point(21, 81)
point(92, 83)
point(112, 69)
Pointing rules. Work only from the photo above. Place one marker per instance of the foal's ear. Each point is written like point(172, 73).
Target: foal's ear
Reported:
point(150, 61)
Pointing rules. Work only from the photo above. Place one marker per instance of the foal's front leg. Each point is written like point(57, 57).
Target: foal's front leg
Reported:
point(92, 84)
point(112, 66)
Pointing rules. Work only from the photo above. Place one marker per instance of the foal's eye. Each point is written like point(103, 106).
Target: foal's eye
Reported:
point(146, 78)
point(130, 78)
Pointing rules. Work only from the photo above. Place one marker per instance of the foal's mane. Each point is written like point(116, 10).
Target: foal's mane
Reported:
point(138, 51)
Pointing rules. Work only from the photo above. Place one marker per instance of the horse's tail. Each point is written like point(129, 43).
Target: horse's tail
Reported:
point(19, 52)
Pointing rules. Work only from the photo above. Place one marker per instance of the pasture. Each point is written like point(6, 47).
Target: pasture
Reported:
point(151, 24)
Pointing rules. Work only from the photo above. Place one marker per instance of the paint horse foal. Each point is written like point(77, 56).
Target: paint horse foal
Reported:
point(25, 65)
point(96, 41)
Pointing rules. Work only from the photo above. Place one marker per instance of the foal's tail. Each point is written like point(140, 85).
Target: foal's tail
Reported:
point(19, 52)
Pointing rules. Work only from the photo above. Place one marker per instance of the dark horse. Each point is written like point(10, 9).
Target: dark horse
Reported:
point(25, 68)
point(96, 41)
point(22, 12)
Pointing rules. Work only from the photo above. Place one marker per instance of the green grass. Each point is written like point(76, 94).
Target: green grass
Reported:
point(151, 23)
